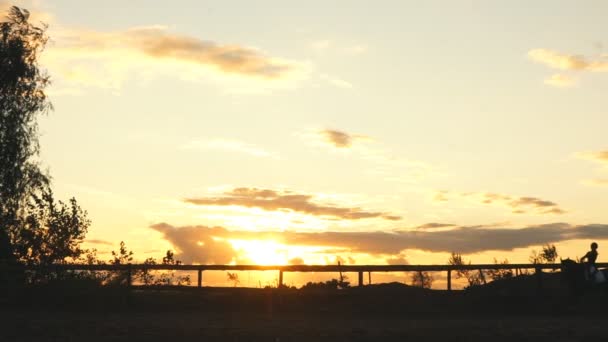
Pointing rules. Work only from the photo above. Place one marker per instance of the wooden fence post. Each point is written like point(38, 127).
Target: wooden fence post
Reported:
point(360, 278)
point(280, 278)
point(539, 278)
point(483, 277)
point(369, 278)
point(129, 280)
point(200, 278)
point(449, 280)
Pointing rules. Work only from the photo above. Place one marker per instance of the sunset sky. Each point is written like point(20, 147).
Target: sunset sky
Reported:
point(283, 132)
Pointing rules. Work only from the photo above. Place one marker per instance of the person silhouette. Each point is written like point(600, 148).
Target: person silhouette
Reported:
point(590, 258)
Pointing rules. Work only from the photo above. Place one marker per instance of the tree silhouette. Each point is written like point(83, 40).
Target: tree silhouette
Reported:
point(422, 279)
point(233, 277)
point(547, 255)
point(34, 228)
point(473, 278)
point(499, 274)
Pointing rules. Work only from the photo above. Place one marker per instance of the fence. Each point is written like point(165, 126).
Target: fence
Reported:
point(360, 269)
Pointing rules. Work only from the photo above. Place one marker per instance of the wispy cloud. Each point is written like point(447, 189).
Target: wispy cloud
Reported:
point(566, 62)
point(560, 61)
point(561, 81)
point(272, 200)
point(599, 157)
point(106, 59)
point(231, 146)
point(337, 82)
point(596, 182)
point(517, 204)
point(435, 225)
point(340, 139)
point(383, 163)
point(206, 244)
point(98, 242)
point(596, 156)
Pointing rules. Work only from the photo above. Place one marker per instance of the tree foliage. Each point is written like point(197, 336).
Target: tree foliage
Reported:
point(21, 100)
point(166, 278)
point(422, 279)
point(52, 231)
point(548, 255)
point(474, 278)
point(34, 228)
point(499, 274)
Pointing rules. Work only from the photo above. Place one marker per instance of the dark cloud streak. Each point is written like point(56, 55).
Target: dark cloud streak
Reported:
point(464, 240)
point(272, 200)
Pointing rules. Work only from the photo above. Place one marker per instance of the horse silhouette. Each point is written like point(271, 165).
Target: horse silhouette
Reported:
point(578, 279)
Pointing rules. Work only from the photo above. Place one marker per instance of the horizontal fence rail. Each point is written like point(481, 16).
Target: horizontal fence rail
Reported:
point(360, 269)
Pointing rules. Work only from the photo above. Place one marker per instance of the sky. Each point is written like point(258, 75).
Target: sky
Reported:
point(281, 132)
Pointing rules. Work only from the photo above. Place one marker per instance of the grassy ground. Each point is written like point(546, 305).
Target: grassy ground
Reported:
point(63, 326)
point(389, 312)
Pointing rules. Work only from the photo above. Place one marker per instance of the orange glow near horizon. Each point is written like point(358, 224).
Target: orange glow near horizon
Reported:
point(262, 252)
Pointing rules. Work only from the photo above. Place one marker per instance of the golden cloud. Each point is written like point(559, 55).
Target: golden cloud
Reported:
point(598, 156)
point(596, 182)
point(561, 81)
point(340, 139)
point(271, 200)
point(207, 244)
point(80, 57)
point(518, 205)
point(557, 60)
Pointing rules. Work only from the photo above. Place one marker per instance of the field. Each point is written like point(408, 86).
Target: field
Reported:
point(178, 326)
point(389, 312)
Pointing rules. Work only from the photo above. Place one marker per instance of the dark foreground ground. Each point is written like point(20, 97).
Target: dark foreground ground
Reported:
point(175, 326)
point(380, 313)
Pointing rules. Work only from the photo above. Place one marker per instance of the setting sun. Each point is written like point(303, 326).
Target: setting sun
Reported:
point(262, 252)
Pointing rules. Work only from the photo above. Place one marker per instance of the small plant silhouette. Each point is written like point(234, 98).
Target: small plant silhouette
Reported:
point(233, 277)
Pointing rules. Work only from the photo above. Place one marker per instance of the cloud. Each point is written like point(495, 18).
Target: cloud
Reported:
point(598, 156)
point(398, 259)
point(383, 163)
point(518, 205)
point(596, 182)
point(523, 202)
point(337, 82)
point(99, 242)
point(229, 145)
point(441, 196)
point(560, 61)
point(434, 225)
point(106, 59)
point(337, 138)
point(464, 240)
point(157, 42)
point(296, 261)
point(271, 200)
point(560, 81)
point(340, 139)
point(198, 246)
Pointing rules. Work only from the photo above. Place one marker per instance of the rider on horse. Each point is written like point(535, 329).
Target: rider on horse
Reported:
point(591, 256)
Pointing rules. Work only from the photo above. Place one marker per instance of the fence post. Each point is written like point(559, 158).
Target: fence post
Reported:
point(369, 278)
point(360, 278)
point(280, 278)
point(483, 277)
point(449, 280)
point(539, 278)
point(129, 281)
point(200, 278)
